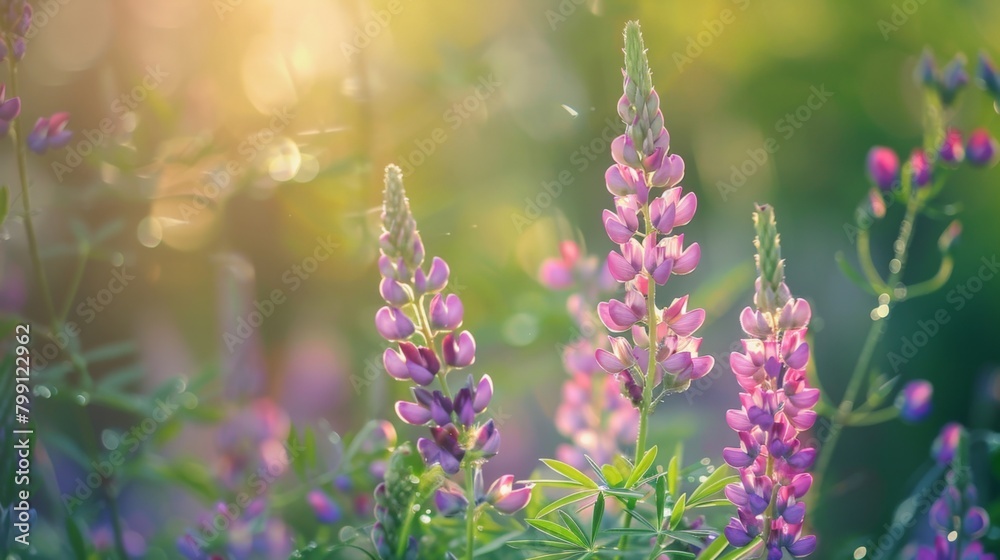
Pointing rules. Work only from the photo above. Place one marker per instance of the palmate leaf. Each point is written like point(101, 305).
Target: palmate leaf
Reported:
point(572, 524)
point(718, 546)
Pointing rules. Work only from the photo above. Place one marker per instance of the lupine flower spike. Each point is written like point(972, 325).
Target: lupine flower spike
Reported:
point(776, 408)
point(425, 325)
point(649, 206)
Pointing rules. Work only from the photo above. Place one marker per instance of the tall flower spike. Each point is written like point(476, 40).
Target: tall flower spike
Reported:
point(776, 407)
point(423, 320)
point(643, 225)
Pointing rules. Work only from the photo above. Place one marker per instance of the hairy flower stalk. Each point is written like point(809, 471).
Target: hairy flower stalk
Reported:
point(648, 207)
point(425, 324)
point(776, 408)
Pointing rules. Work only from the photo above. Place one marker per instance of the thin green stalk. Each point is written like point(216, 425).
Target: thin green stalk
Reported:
point(22, 172)
point(649, 377)
point(75, 283)
point(43, 282)
point(901, 249)
point(470, 516)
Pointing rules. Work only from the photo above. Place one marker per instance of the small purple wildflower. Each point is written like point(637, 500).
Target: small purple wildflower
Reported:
point(952, 150)
point(49, 133)
point(914, 401)
point(946, 444)
point(986, 72)
point(324, 507)
point(981, 148)
point(920, 167)
point(9, 110)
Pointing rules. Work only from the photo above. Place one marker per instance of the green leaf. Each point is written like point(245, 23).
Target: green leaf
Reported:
point(574, 526)
point(678, 513)
point(673, 476)
point(548, 483)
point(721, 502)
point(76, 542)
point(598, 516)
point(714, 549)
point(640, 469)
point(556, 530)
point(570, 473)
point(661, 500)
point(612, 475)
point(542, 545)
point(686, 537)
point(565, 501)
point(598, 470)
point(4, 203)
point(714, 483)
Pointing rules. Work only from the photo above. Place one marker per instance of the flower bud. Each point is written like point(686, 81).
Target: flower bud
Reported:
point(914, 401)
point(393, 324)
point(446, 312)
point(920, 168)
point(981, 148)
point(883, 167)
point(952, 149)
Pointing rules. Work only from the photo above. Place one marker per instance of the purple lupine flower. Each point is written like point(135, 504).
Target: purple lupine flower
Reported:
point(987, 75)
point(955, 516)
point(418, 307)
point(9, 110)
point(49, 133)
point(649, 251)
point(883, 167)
point(920, 167)
point(953, 79)
point(15, 21)
point(324, 507)
point(776, 408)
point(981, 148)
point(946, 444)
point(450, 499)
point(914, 401)
point(926, 71)
point(952, 150)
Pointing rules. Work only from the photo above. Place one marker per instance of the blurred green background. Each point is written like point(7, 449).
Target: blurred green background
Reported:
point(491, 108)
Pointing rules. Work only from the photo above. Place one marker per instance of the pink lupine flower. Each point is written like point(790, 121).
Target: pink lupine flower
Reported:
point(775, 409)
point(643, 224)
point(49, 133)
point(450, 499)
point(914, 401)
point(981, 148)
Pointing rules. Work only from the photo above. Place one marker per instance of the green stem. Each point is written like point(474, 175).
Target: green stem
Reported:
point(75, 282)
point(872, 418)
point(22, 172)
point(646, 407)
point(901, 249)
point(470, 516)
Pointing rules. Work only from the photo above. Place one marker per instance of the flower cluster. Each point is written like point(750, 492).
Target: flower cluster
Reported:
point(776, 408)
point(643, 225)
point(957, 520)
point(979, 148)
point(15, 20)
point(425, 324)
point(592, 413)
